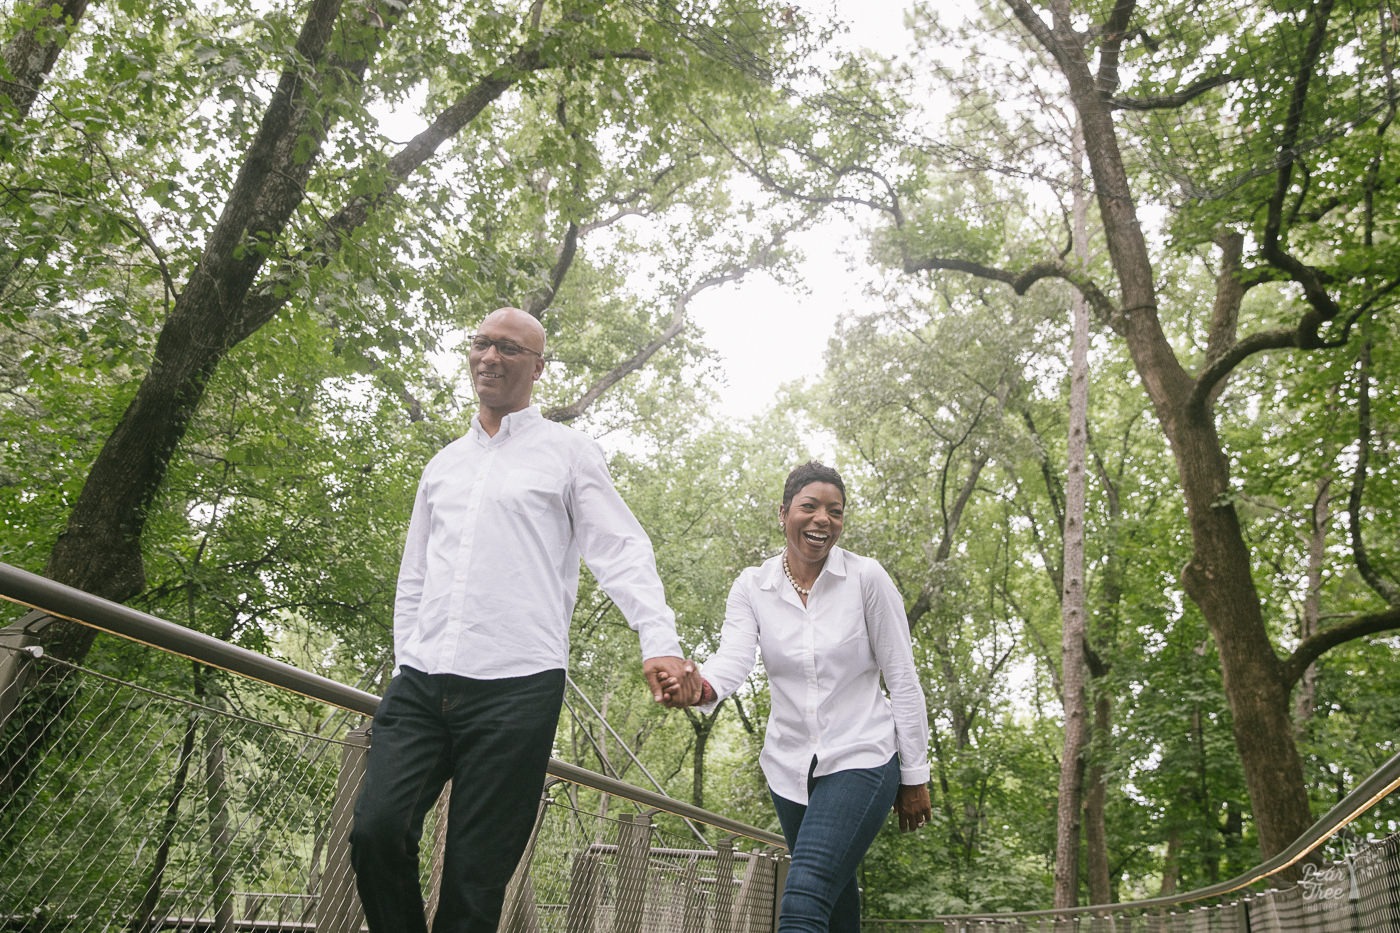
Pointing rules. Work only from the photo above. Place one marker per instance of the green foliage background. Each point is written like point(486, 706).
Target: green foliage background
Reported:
point(943, 402)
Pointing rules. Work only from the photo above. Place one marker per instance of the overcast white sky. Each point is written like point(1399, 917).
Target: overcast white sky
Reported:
point(766, 334)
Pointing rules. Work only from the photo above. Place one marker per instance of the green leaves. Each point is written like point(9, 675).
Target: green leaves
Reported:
point(583, 164)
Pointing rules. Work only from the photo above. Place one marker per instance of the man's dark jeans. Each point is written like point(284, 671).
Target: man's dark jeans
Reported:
point(492, 739)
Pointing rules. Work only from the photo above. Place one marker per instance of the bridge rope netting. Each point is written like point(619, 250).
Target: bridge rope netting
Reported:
point(153, 806)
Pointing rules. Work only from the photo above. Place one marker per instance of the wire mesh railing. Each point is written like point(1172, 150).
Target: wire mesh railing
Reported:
point(147, 810)
point(201, 800)
point(1349, 883)
point(1359, 893)
point(215, 794)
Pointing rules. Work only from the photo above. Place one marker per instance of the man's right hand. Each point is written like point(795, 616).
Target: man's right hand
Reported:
point(674, 682)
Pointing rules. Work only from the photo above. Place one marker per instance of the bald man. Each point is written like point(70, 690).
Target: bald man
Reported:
point(486, 591)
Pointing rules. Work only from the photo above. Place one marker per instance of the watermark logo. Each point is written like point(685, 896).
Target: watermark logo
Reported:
point(1328, 882)
point(1341, 880)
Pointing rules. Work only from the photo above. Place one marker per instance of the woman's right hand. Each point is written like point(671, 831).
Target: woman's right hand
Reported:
point(913, 806)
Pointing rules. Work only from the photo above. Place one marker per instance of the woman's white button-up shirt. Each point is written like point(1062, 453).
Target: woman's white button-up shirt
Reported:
point(824, 662)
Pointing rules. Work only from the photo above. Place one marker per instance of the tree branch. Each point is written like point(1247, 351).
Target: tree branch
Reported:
point(1216, 371)
point(271, 293)
point(743, 715)
point(1303, 337)
point(1021, 282)
point(1384, 588)
point(30, 55)
point(1229, 295)
point(1170, 101)
point(676, 324)
point(1114, 31)
point(1322, 306)
point(1374, 623)
point(837, 173)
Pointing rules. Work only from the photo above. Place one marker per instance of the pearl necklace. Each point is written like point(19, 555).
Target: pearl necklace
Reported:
point(787, 571)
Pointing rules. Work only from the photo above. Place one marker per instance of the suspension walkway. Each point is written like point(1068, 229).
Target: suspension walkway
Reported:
point(147, 809)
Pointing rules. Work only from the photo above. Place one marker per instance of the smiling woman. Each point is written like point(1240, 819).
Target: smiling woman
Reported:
point(837, 754)
point(814, 505)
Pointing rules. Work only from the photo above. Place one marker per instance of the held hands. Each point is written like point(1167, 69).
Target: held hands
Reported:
point(674, 682)
point(913, 806)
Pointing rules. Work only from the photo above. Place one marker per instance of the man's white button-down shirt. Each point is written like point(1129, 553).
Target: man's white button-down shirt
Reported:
point(490, 567)
point(824, 662)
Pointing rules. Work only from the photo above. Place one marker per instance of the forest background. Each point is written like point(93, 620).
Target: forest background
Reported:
point(1118, 412)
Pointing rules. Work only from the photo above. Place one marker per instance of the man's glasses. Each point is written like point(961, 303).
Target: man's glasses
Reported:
point(507, 348)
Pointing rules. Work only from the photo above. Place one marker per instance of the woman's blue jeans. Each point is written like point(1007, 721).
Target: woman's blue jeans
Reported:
point(827, 838)
point(492, 739)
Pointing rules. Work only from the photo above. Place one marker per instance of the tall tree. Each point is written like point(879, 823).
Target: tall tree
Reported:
point(368, 179)
point(1296, 98)
point(1073, 663)
point(313, 187)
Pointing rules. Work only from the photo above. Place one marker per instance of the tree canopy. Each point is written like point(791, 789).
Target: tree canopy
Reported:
point(242, 245)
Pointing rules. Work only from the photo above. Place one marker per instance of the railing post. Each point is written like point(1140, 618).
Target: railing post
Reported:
point(583, 892)
point(1389, 856)
point(519, 915)
point(694, 908)
point(724, 886)
point(633, 848)
point(781, 863)
point(751, 912)
point(17, 640)
point(338, 907)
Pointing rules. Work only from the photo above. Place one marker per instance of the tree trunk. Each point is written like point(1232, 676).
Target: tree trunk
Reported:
point(1305, 696)
point(1095, 814)
point(1171, 865)
point(1072, 606)
point(703, 726)
point(147, 922)
point(100, 549)
point(30, 55)
point(1105, 637)
point(1218, 577)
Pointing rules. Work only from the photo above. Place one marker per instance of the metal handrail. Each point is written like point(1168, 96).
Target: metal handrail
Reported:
point(1380, 784)
point(65, 602)
point(61, 601)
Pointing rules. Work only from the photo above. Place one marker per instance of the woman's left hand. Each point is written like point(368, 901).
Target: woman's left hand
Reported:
point(913, 806)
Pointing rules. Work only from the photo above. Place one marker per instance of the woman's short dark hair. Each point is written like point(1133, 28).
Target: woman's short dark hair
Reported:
point(808, 473)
